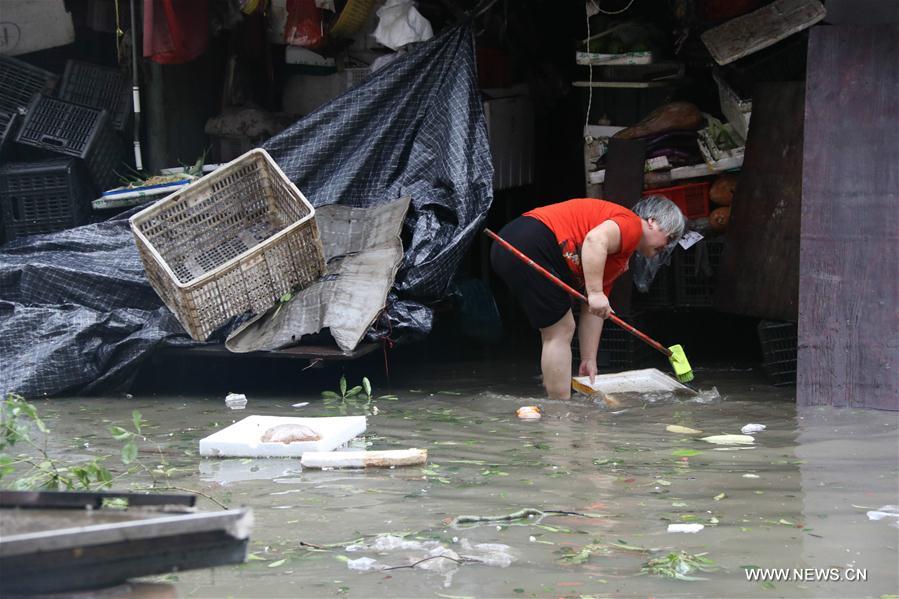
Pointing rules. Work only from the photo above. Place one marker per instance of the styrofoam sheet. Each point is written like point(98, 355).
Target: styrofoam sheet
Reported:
point(632, 381)
point(244, 438)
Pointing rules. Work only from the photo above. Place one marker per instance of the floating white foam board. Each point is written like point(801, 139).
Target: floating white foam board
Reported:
point(632, 381)
point(244, 438)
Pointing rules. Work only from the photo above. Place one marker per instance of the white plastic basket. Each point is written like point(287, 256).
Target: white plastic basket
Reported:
point(234, 241)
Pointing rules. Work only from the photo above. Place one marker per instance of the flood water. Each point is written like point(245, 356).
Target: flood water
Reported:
point(797, 498)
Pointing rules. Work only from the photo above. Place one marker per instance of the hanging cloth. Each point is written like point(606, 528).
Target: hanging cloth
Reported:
point(175, 31)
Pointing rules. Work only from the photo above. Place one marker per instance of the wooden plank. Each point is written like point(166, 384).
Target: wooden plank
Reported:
point(862, 12)
point(849, 265)
point(761, 28)
point(759, 271)
point(80, 499)
point(93, 552)
point(315, 353)
point(389, 458)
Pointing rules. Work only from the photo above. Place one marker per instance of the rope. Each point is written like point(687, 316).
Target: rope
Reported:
point(388, 344)
point(613, 12)
point(519, 515)
point(120, 52)
point(587, 137)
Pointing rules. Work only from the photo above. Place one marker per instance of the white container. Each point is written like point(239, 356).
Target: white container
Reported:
point(233, 241)
point(737, 110)
point(243, 439)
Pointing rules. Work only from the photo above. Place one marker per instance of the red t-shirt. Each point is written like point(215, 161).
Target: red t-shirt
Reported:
point(570, 222)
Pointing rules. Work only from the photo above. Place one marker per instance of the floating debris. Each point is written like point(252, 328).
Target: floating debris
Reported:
point(680, 565)
point(290, 433)
point(689, 528)
point(432, 556)
point(729, 439)
point(707, 396)
point(683, 430)
point(529, 413)
point(886, 511)
point(528, 513)
point(236, 401)
point(752, 428)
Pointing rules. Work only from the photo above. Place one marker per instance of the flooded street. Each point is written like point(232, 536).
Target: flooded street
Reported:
point(797, 498)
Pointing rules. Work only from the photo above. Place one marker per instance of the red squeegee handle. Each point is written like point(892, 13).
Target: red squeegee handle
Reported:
point(575, 293)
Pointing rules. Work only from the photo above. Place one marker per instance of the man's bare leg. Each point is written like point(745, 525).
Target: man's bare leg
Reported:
point(555, 359)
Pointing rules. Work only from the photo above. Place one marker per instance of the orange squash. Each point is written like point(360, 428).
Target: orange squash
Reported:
point(722, 190)
point(718, 218)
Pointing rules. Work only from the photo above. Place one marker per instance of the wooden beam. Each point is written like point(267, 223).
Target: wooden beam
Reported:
point(848, 351)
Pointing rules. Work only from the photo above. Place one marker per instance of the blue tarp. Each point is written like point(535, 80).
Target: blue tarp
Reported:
point(77, 313)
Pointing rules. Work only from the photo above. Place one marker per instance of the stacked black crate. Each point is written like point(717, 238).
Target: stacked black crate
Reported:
point(19, 82)
point(74, 130)
point(779, 342)
point(43, 197)
point(696, 273)
point(660, 295)
point(8, 123)
point(618, 349)
point(98, 87)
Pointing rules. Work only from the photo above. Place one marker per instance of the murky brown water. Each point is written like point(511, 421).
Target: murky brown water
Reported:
point(798, 498)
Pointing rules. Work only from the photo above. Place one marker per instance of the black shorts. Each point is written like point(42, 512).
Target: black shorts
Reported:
point(544, 302)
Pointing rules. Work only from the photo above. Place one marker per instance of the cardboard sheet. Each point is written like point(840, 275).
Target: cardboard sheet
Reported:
point(363, 251)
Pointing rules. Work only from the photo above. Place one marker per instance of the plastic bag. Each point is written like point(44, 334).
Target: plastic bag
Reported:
point(644, 270)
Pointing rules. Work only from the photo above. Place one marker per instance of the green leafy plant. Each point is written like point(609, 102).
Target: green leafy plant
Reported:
point(130, 437)
point(680, 566)
point(38, 469)
point(21, 424)
point(573, 555)
point(359, 396)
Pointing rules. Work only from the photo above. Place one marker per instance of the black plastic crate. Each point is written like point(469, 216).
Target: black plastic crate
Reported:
point(779, 341)
point(618, 349)
point(660, 293)
point(8, 123)
point(42, 197)
point(696, 273)
point(74, 130)
point(19, 81)
point(99, 87)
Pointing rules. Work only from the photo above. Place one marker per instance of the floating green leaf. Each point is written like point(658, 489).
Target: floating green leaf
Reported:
point(129, 452)
point(685, 453)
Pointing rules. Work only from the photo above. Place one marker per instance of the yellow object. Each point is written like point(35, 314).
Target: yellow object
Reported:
point(678, 359)
point(351, 18)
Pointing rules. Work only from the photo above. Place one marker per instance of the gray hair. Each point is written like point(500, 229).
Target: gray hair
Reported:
point(665, 212)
